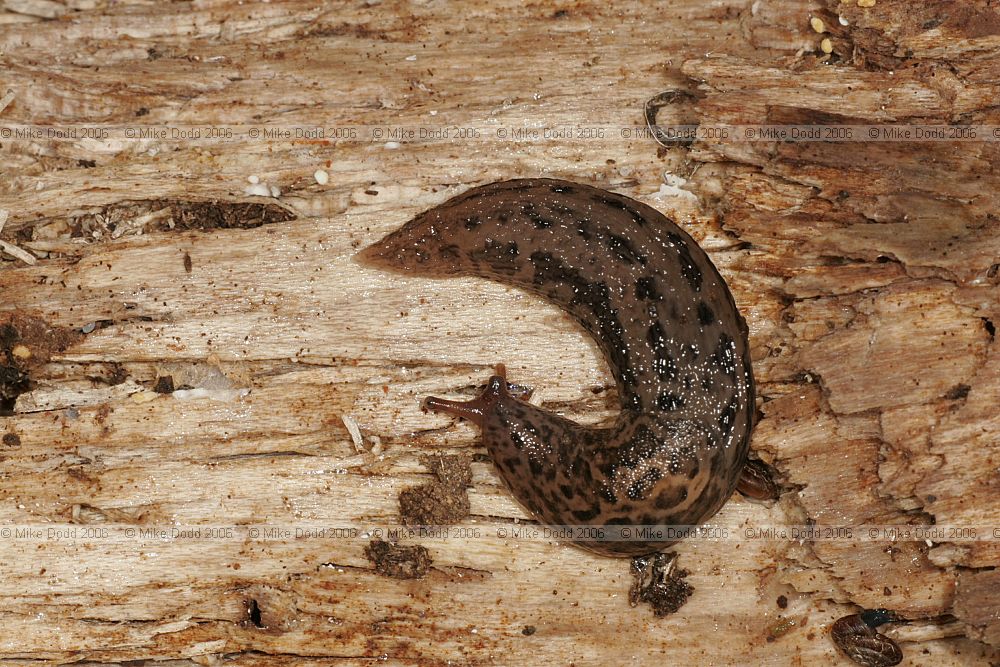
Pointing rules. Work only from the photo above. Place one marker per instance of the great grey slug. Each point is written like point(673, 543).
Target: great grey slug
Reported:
point(661, 314)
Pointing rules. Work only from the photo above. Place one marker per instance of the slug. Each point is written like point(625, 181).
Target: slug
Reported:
point(663, 318)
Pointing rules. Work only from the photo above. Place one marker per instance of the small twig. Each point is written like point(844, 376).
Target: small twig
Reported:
point(10, 248)
point(6, 99)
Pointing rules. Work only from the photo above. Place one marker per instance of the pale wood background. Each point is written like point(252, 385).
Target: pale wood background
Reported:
point(867, 272)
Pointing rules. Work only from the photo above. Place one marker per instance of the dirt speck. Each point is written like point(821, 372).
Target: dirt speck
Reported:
point(781, 627)
point(433, 504)
point(454, 471)
point(226, 215)
point(398, 561)
point(958, 392)
point(441, 502)
point(11, 440)
point(26, 342)
point(658, 582)
point(164, 384)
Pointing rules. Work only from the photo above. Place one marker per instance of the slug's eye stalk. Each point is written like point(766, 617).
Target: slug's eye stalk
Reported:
point(476, 409)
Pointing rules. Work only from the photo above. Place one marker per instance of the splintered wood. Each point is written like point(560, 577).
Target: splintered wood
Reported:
point(209, 410)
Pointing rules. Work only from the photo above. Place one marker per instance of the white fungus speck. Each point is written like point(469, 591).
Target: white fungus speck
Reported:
point(257, 190)
point(321, 177)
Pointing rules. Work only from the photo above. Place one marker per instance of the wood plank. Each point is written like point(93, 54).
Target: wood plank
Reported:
point(867, 273)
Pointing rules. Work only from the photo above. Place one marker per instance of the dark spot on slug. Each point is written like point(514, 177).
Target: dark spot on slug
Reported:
point(610, 202)
point(636, 450)
point(536, 467)
point(671, 498)
point(517, 439)
point(705, 314)
point(623, 249)
point(663, 364)
point(640, 488)
point(689, 270)
point(725, 355)
point(669, 401)
point(450, 251)
point(728, 417)
point(645, 289)
point(540, 222)
point(608, 494)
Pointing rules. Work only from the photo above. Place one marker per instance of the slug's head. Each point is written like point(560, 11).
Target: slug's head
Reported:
point(478, 409)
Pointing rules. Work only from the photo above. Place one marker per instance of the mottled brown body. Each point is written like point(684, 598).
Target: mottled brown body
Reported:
point(664, 319)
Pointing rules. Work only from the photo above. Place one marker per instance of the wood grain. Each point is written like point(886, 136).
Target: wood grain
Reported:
point(867, 272)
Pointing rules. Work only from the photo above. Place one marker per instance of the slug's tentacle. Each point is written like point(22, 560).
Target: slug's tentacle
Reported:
point(476, 409)
point(664, 320)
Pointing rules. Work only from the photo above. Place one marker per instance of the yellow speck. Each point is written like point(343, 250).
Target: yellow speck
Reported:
point(143, 396)
point(21, 351)
point(817, 24)
point(866, 3)
point(826, 45)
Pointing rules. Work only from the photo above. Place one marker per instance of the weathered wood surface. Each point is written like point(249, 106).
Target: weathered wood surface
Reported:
point(867, 271)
